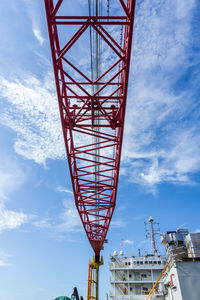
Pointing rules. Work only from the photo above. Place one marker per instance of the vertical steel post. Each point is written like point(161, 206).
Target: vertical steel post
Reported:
point(97, 283)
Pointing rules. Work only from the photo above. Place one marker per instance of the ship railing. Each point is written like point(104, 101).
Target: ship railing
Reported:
point(126, 297)
point(119, 276)
point(122, 288)
point(117, 264)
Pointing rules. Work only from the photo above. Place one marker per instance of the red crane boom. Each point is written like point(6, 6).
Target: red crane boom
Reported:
point(92, 110)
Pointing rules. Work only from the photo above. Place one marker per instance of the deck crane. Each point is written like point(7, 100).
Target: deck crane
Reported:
point(91, 60)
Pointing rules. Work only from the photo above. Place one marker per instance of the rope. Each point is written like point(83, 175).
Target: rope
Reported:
point(108, 7)
point(95, 7)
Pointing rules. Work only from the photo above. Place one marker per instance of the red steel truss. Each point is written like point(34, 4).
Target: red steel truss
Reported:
point(92, 122)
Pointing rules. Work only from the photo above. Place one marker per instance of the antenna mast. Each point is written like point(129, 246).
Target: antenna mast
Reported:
point(151, 232)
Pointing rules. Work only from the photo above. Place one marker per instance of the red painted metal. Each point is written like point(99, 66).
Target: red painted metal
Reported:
point(92, 123)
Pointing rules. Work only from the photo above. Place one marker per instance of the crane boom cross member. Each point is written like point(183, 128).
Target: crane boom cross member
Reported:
point(94, 169)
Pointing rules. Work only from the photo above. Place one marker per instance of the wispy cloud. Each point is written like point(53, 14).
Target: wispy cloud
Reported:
point(38, 35)
point(66, 221)
point(118, 223)
point(69, 219)
point(161, 140)
point(31, 111)
point(128, 242)
point(11, 178)
point(140, 217)
point(42, 223)
point(4, 259)
point(63, 190)
point(10, 219)
point(32, 10)
point(30, 108)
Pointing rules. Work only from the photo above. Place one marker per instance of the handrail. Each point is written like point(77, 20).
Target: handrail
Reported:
point(161, 275)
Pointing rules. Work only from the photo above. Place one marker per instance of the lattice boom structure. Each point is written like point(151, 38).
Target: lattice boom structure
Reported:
point(92, 109)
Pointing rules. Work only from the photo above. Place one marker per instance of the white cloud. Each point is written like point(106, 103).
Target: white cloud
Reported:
point(182, 8)
point(69, 219)
point(4, 259)
point(11, 178)
point(66, 221)
point(8, 181)
point(128, 242)
point(64, 190)
point(38, 35)
point(161, 140)
point(30, 108)
point(175, 161)
point(118, 223)
point(32, 9)
point(42, 223)
point(10, 219)
point(32, 112)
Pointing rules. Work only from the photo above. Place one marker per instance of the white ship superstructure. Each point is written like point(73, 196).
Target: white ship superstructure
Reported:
point(175, 276)
point(134, 277)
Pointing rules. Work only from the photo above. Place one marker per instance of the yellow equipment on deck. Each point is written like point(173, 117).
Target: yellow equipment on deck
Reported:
point(93, 279)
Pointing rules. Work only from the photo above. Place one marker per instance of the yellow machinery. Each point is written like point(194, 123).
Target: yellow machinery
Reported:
point(93, 279)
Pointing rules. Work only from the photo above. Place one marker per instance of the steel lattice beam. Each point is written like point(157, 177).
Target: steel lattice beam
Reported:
point(94, 163)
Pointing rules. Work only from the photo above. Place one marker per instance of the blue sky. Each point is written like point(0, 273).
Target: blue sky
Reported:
point(44, 252)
